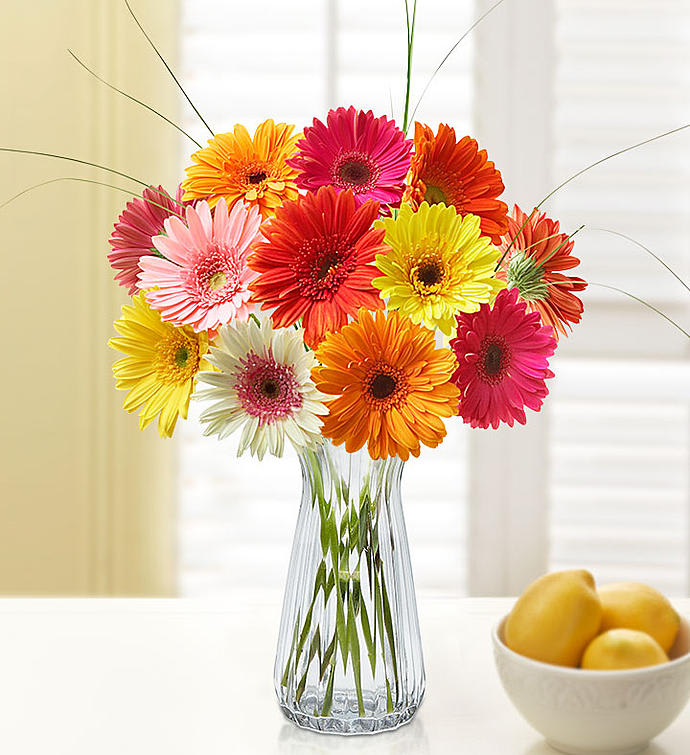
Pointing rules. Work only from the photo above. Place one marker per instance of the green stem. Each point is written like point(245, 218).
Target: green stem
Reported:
point(646, 304)
point(446, 56)
point(134, 99)
point(170, 71)
point(410, 44)
point(89, 181)
point(646, 249)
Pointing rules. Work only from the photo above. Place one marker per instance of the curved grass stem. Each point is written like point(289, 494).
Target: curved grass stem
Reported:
point(646, 249)
point(134, 99)
point(646, 304)
point(88, 181)
point(168, 68)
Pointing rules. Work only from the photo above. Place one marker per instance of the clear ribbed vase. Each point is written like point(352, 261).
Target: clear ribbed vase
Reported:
point(349, 657)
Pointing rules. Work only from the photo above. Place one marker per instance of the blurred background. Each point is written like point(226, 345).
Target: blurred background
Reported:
point(599, 479)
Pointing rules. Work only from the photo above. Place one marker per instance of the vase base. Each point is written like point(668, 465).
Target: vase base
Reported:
point(331, 725)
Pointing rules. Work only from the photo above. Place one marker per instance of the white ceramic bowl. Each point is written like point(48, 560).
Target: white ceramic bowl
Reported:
point(585, 712)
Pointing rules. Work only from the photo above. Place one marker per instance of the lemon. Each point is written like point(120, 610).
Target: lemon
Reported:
point(620, 649)
point(630, 605)
point(555, 618)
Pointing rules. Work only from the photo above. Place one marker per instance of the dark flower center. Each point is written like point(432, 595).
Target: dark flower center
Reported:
point(256, 178)
point(435, 195)
point(181, 356)
point(270, 387)
point(354, 172)
point(382, 386)
point(429, 273)
point(324, 266)
point(493, 359)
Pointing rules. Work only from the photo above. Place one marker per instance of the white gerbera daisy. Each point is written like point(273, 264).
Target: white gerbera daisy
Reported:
point(264, 384)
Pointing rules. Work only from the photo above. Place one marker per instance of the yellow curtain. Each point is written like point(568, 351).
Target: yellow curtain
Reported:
point(87, 503)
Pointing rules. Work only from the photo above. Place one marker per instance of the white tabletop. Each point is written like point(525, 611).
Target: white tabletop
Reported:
point(179, 677)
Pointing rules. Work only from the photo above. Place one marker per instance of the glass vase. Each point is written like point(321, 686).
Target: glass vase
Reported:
point(349, 656)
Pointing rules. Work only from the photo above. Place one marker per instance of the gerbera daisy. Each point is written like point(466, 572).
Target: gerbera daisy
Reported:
point(139, 222)
point(391, 382)
point(317, 262)
point(235, 166)
point(537, 252)
point(263, 385)
point(160, 365)
point(503, 354)
point(438, 265)
point(456, 173)
point(353, 150)
point(202, 277)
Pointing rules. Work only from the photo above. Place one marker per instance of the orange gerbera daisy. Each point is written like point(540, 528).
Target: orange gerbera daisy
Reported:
point(456, 173)
point(235, 166)
point(317, 262)
point(391, 382)
point(537, 252)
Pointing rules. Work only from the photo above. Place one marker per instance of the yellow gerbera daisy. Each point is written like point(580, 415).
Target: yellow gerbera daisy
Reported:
point(438, 265)
point(161, 364)
point(237, 166)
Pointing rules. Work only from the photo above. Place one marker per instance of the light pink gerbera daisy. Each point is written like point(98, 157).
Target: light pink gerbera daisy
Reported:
point(139, 222)
point(503, 354)
point(356, 151)
point(203, 278)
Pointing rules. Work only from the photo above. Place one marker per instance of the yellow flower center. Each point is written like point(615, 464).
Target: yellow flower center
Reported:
point(217, 280)
point(177, 356)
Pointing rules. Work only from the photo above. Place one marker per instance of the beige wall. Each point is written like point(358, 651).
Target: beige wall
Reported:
point(86, 501)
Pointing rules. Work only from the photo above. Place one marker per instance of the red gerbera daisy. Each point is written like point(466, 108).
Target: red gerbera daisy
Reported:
point(537, 251)
point(456, 173)
point(354, 150)
point(503, 352)
point(140, 221)
point(317, 262)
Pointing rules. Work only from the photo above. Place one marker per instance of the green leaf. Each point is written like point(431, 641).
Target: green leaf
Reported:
point(353, 642)
point(368, 638)
point(320, 581)
point(389, 631)
point(328, 697)
point(327, 657)
point(305, 632)
point(286, 673)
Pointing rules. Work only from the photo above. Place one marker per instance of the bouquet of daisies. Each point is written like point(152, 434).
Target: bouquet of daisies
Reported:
point(300, 283)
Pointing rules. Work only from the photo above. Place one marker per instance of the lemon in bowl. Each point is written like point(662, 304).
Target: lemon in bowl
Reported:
point(622, 691)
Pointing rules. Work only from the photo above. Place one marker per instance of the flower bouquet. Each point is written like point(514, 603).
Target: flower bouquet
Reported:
point(298, 284)
point(345, 290)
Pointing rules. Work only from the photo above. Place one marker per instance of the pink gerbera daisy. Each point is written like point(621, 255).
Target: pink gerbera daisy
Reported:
point(140, 221)
point(203, 278)
point(356, 151)
point(503, 354)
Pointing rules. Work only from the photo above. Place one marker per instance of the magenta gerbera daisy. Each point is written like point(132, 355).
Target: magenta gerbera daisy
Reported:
point(503, 354)
point(139, 222)
point(354, 150)
point(202, 278)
